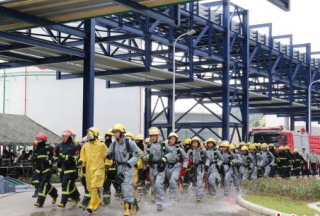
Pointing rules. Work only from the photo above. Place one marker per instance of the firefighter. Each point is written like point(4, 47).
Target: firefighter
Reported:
point(93, 154)
point(298, 162)
point(138, 168)
point(255, 157)
point(126, 155)
point(266, 160)
point(274, 166)
point(197, 155)
point(186, 177)
point(155, 154)
point(67, 155)
point(130, 136)
point(86, 198)
point(175, 160)
point(213, 156)
point(235, 169)
point(43, 159)
point(226, 166)
point(111, 172)
point(245, 163)
point(34, 182)
point(283, 162)
point(142, 172)
point(291, 160)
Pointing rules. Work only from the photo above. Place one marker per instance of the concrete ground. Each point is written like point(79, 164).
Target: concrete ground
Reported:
point(21, 204)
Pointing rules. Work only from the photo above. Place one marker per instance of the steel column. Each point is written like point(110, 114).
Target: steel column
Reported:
point(88, 76)
point(226, 71)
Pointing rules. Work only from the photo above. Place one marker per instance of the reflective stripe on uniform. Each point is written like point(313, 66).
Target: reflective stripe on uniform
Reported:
point(69, 171)
point(42, 156)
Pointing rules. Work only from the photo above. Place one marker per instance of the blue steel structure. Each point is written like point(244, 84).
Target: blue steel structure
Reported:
point(225, 51)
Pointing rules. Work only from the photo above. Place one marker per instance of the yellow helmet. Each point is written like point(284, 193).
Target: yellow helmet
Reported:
point(244, 148)
point(211, 140)
point(187, 142)
point(286, 148)
point(264, 145)
point(295, 151)
point(94, 130)
point(224, 143)
point(196, 139)
point(173, 135)
point(154, 131)
point(242, 144)
point(248, 144)
point(252, 147)
point(281, 148)
point(118, 127)
point(271, 145)
point(238, 146)
point(130, 135)
point(232, 147)
point(139, 137)
point(258, 145)
point(147, 140)
point(109, 132)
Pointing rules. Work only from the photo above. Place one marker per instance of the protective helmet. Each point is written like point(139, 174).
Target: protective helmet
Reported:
point(281, 148)
point(187, 142)
point(118, 127)
point(286, 148)
point(139, 138)
point(242, 144)
point(130, 135)
point(244, 148)
point(295, 151)
point(147, 140)
point(271, 145)
point(42, 136)
point(73, 133)
point(211, 140)
point(67, 133)
point(248, 144)
point(95, 131)
point(264, 145)
point(109, 132)
point(173, 135)
point(252, 147)
point(196, 139)
point(258, 145)
point(154, 131)
point(237, 146)
point(232, 147)
point(224, 143)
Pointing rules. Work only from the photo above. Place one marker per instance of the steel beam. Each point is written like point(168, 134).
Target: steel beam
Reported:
point(88, 77)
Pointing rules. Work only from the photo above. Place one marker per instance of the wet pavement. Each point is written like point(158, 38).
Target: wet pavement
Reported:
point(21, 204)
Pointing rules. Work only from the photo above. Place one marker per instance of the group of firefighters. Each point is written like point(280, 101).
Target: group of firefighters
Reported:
point(134, 165)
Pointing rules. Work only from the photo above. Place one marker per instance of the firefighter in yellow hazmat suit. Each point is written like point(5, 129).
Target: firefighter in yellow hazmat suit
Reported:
point(93, 155)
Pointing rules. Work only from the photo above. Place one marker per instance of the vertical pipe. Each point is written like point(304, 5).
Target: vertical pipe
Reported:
point(4, 92)
point(88, 76)
point(147, 112)
point(245, 75)
point(226, 70)
point(25, 91)
point(309, 83)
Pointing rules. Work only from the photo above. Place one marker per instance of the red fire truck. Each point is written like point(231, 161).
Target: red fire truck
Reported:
point(280, 137)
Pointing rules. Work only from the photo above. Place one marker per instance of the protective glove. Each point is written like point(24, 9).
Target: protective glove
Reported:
point(80, 162)
point(110, 156)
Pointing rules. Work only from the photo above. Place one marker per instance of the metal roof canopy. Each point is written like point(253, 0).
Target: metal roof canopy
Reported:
point(282, 4)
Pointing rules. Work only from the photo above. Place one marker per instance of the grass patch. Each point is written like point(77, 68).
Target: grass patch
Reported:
point(284, 205)
point(306, 190)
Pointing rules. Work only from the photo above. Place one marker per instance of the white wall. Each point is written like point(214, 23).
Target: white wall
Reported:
point(57, 104)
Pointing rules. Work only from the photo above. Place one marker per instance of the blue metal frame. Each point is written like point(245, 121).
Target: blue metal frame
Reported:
point(231, 55)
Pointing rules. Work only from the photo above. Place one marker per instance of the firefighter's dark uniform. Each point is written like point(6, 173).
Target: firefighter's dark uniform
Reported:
point(67, 154)
point(43, 159)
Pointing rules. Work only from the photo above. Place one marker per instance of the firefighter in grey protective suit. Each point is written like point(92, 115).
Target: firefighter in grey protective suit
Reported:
point(255, 157)
point(235, 169)
point(126, 154)
point(213, 159)
point(245, 164)
point(156, 154)
point(266, 160)
point(174, 160)
point(197, 155)
point(227, 166)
